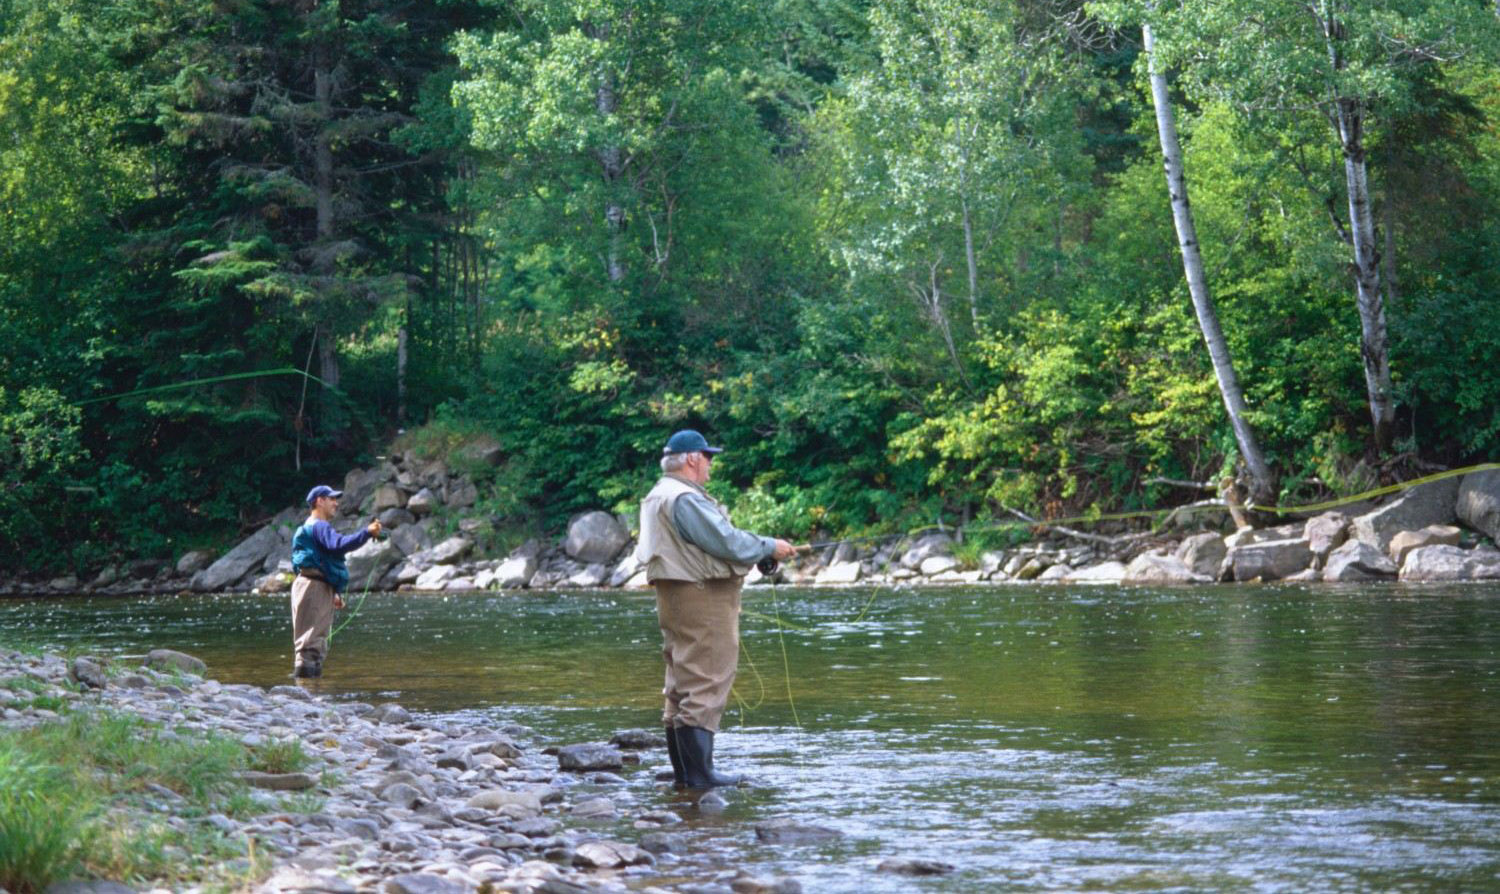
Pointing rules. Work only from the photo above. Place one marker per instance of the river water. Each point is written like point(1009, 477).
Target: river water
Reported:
point(1248, 738)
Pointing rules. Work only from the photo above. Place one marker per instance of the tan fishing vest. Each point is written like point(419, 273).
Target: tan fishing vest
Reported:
point(663, 551)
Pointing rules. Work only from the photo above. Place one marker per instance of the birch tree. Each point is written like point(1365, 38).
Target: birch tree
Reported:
point(1262, 486)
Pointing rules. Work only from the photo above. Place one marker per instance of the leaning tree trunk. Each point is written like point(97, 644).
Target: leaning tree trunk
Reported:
point(1262, 488)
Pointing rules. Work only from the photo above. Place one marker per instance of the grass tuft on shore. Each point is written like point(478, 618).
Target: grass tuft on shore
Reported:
point(106, 795)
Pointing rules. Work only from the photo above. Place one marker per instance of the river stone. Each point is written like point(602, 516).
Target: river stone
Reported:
point(925, 547)
point(1355, 560)
point(1105, 573)
point(1433, 503)
point(933, 565)
point(88, 886)
point(610, 855)
point(639, 739)
point(590, 576)
point(194, 561)
point(496, 798)
point(402, 795)
point(595, 537)
point(250, 554)
point(422, 503)
point(1151, 568)
point(1203, 554)
point(390, 712)
point(1442, 563)
point(1325, 532)
point(906, 866)
point(589, 756)
point(422, 883)
point(1053, 574)
point(662, 842)
point(278, 782)
point(360, 484)
point(450, 550)
point(844, 573)
point(745, 883)
point(462, 494)
point(1478, 503)
point(411, 539)
point(296, 880)
point(1432, 535)
point(167, 659)
point(1268, 560)
point(435, 578)
point(593, 808)
point(88, 672)
point(394, 518)
point(516, 572)
point(387, 496)
point(789, 831)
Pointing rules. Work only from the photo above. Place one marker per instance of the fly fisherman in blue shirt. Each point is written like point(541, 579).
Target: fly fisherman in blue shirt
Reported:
point(318, 560)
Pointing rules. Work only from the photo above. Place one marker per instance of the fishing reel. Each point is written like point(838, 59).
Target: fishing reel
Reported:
point(768, 566)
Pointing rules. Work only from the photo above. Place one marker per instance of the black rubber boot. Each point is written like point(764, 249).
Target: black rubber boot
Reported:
point(696, 748)
point(676, 756)
point(308, 671)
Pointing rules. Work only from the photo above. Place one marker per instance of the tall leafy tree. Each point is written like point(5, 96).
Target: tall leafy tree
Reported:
point(1357, 67)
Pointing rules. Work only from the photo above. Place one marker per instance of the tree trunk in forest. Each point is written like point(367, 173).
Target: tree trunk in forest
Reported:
point(969, 254)
point(1262, 487)
point(401, 349)
point(612, 165)
point(328, 359)
point(323, 150)
point(1348, 121)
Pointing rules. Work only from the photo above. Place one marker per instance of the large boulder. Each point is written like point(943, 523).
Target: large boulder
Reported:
point(840, 573)
point(926, 547)
point(359, 484)
point(1432, 535)
point(411, 539)
point(1203, 554)
point(595, 537)
point(435, 578)
point(1355, 560)
point(387, 496)
point(194, 561)
point(462, 493)
point(1426, 504)
point(422, 503)
point(370, 562)
point(1325, 533)
point(450, 551)
point(1153, 568)
point(1439, 563)
point(515, 572)
point(1270, 560)
point(248, 556)
point(1478, 503)
point(1106, 573)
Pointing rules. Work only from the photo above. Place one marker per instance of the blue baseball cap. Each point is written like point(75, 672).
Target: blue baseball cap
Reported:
point(689, 441)
point(322, 490)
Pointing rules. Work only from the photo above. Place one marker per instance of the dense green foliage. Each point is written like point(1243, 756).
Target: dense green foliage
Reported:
point(909, 260)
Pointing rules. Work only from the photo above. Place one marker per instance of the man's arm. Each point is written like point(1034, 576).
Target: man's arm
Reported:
point(334, 542)
point(700, 524)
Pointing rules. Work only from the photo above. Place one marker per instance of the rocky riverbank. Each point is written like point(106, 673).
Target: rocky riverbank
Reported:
point(402, 805)
point(1443, 530)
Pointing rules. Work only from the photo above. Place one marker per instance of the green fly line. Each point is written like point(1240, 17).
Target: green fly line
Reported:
point(212, 380)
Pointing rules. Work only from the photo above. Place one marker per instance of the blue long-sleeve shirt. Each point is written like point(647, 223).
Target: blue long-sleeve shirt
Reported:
point(318, 545)
point(700, 524)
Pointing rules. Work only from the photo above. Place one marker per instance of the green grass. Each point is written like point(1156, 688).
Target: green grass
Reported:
point(279, 756)
point(78, 798)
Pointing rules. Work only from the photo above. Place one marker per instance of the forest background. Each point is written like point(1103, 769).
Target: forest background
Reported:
point(910, 260)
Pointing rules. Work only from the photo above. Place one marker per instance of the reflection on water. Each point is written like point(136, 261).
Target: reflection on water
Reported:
point(1246, 738)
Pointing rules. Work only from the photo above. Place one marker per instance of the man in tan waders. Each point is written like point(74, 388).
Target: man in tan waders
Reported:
point(697, 561)
point(318, 559)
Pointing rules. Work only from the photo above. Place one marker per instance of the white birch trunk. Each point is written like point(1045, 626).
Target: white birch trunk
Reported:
point(1261, 484)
